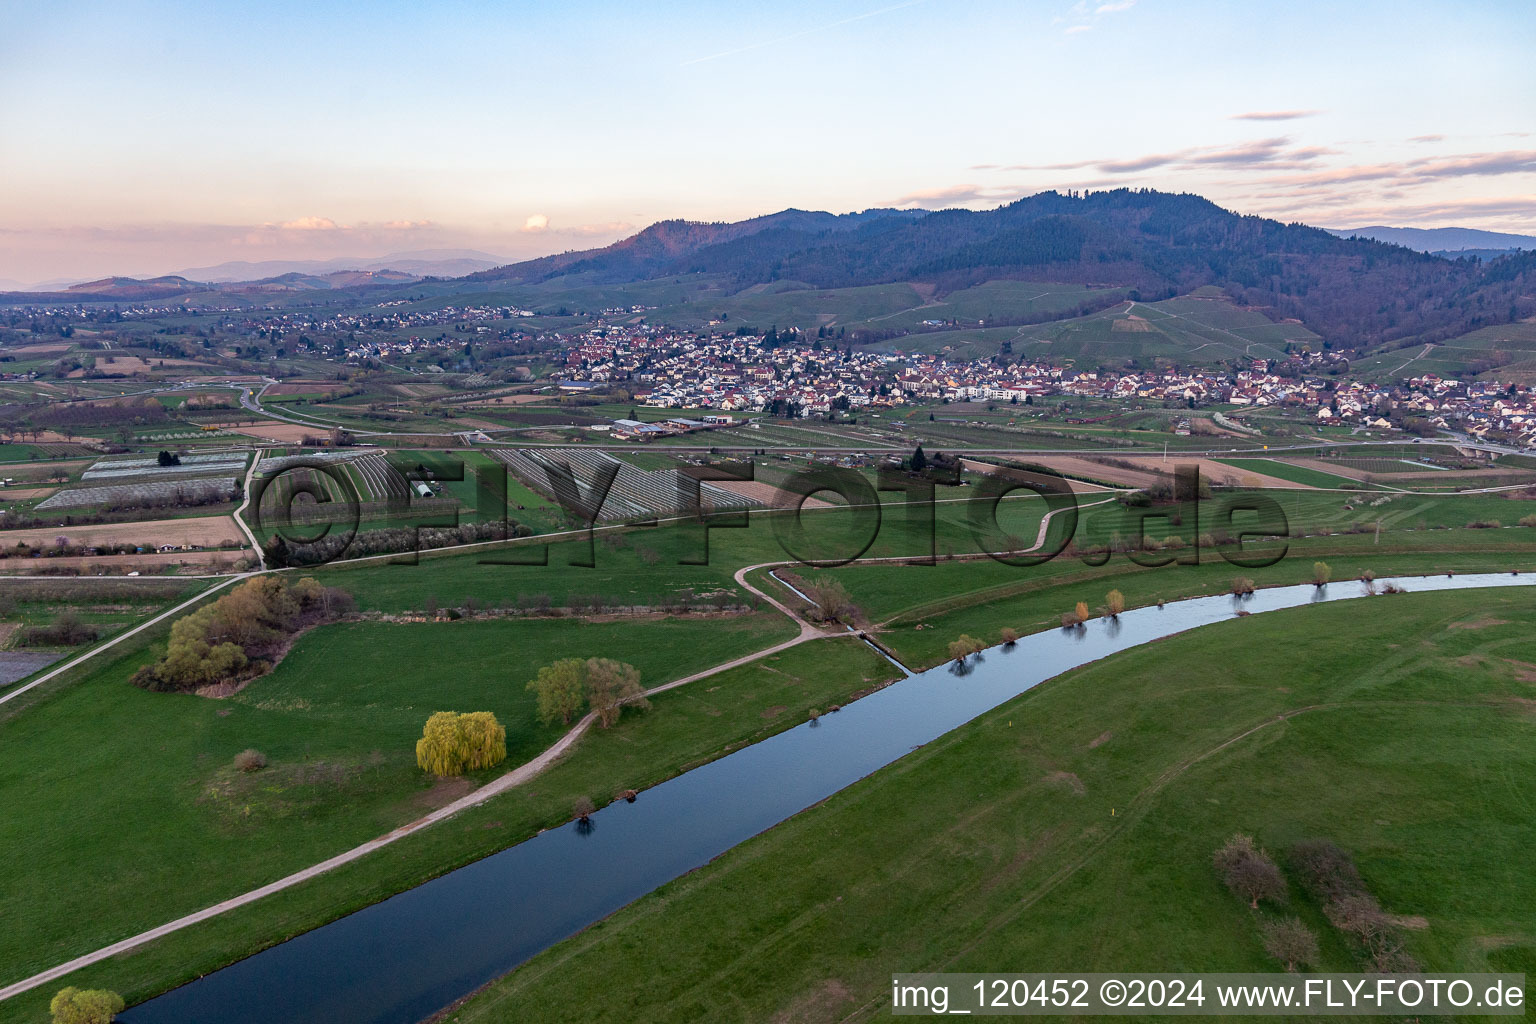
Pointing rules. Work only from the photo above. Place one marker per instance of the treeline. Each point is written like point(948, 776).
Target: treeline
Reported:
point(281, 554)
point(93, 415)
point(238, 636)
point(65, 631)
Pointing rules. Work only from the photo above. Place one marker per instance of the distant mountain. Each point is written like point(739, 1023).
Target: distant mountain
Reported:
point(1441, 240)
point(11, 285)
point(663, 245)
point(179, 289)
point(1355, 292)
point(418, 263)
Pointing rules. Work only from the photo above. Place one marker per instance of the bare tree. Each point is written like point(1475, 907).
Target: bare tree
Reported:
point(1290, 942)
point(1249, 872)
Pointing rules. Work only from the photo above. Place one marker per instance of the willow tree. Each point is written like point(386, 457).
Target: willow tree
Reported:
point(965, 646)
point(485, 739)
point(452, 744)
point(85, 1006)
point(560, 689)
point(443, 748)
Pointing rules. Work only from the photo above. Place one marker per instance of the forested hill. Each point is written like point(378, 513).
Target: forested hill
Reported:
point(1355, 292)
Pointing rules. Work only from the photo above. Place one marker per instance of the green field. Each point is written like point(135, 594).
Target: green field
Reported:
point(1072, 829)
point(1295, 474)
point(144, 876)
point(117, 812)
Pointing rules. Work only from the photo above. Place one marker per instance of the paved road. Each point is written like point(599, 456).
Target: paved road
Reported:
point(250, 474)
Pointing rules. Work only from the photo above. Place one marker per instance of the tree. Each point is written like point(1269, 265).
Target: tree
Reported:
point(1290, 942)
point(1010, 636)
point(560, 689)
point(85, 1006)
point(452, 744)
point(610, 686)
point(485, 739)
point(442, 747)
point(1248, 871)
point(919, 459)
point(964, 646)
point(1081, 611)
point(833, 604)
point(1320, 573)
point(1114, 603)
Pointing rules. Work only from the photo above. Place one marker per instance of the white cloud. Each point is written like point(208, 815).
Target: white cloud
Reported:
point(310, 224)
point(536, 222)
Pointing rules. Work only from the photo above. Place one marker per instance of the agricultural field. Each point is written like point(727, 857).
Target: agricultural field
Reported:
point(1291, 472)
point(178, 493)
point(1506, 352)
point(1189, 330)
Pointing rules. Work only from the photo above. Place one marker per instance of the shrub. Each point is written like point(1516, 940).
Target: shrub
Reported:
point(1009, 636)
point(1528, 520)
point(1290, 942)
point(250, 761)
point(65, 631)
point(452, 744)
point(85, 1006)
point(1114, 603)
point(1320, 573)
point(583, 808)
point(1242, 586)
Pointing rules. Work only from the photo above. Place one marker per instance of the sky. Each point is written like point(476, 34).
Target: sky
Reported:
point(145, 137)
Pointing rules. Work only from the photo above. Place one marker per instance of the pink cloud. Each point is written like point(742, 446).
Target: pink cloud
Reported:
point(1274, 115)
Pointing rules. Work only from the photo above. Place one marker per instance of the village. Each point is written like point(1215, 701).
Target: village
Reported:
point(785, 374)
